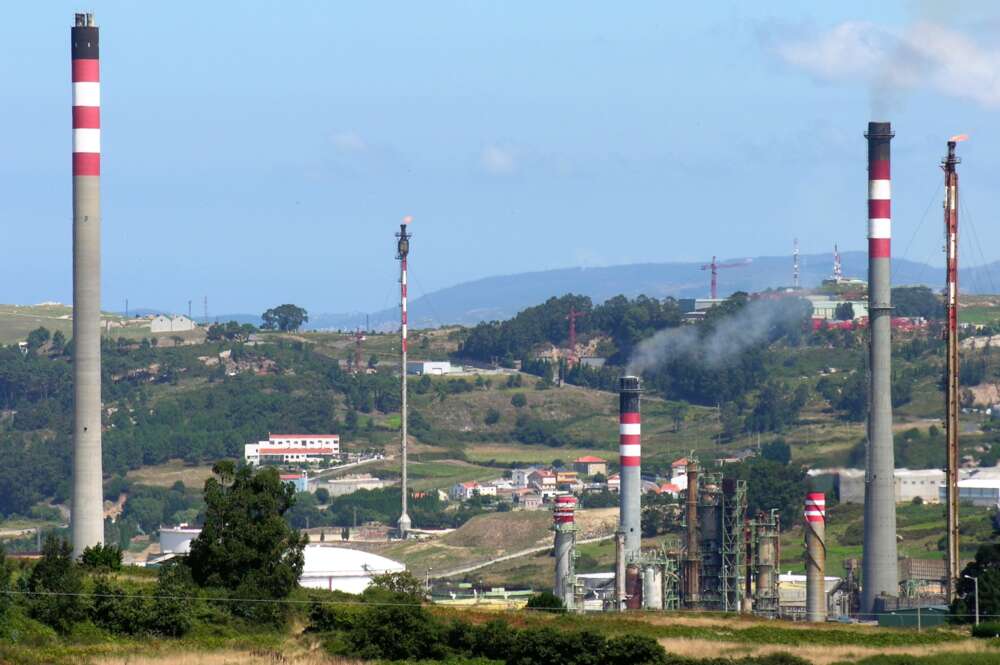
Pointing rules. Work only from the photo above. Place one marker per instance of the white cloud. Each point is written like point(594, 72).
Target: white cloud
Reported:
point(349, 142)
point(498, 160)
point(924, 56)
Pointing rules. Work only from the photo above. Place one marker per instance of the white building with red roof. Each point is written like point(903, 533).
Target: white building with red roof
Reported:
point(293, 449)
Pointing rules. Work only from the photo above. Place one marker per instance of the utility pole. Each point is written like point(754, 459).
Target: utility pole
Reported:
point(951, 335)
point(402, 250)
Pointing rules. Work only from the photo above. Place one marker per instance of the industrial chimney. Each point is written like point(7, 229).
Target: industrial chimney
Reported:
point(630, 454)
point(879, 566)
point(87, 508)
point(564, 524)
point(815, 528)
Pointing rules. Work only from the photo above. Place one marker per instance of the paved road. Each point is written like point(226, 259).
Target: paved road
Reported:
point(468, 568)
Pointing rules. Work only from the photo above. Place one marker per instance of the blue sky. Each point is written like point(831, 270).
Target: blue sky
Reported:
point(264, 152)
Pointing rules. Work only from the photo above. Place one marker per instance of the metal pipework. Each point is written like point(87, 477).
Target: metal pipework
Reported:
point(879, 559)
point(951, 363)
point(564, 525)
point(692, 557)
point(630, 457)
point(815, 531)
point(88, 497)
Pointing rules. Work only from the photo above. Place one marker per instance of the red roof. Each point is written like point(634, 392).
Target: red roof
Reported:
point(291, 476)
point(590, 459)
point(614, 476)
point(303, 436)
point(670, 488)
point(295, 451)
point(681, 462)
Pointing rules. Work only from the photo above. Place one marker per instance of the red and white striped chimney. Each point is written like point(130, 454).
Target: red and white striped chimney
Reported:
point(630, 459)
point(815, 514)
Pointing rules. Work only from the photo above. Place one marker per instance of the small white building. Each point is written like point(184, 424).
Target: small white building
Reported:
point(343, 569)
point(353, 483)
point(907, 483)
point(177, 539)
point(165, 324)
point(293, 449)
point(467, 490)
point(432, 367)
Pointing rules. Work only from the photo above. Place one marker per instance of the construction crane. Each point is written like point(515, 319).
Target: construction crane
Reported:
point(715, 267)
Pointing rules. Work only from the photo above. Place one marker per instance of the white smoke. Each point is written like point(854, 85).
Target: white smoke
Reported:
point(926, 55)
point(729, 336)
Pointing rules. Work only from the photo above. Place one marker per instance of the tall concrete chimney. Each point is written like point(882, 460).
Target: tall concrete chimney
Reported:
point(879, 566)
point(815, 527)
point(564, 524)
point(692, 549)
point(630, 455)
point(87, 509)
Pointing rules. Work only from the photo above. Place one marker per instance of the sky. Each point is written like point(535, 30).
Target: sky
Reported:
point(265, 152)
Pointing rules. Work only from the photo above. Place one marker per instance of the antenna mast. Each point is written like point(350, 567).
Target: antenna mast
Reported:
point(402, 250)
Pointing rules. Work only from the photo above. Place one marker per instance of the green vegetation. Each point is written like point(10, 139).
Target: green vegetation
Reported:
point(286, 318)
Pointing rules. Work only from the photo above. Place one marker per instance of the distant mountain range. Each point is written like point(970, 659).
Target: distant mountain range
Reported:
point(503, 296)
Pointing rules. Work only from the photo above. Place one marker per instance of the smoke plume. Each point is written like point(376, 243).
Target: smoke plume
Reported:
point(926, 55)
point(753, 323)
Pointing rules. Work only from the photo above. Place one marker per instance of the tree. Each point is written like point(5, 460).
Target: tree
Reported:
point(677, 412)
point(322, 496)
point(773, 485)
point(102, 557)
point(37, 338)
point(403, 584)
point(246, 546)
point(986, 569)
point(776, 451)
point(58, 341)
point(492, 417)
point(518, 400)
point(916, 301)
point(372, 361)
point(56, 586)
point(5, 576)
point(844, 312)
point(285, 318)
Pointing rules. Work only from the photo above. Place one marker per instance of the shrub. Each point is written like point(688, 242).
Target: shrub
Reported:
point(55, 585)
point(518, 400)
point(102, 557)
point(546, 601)
point(987, 630)
point(493, 416)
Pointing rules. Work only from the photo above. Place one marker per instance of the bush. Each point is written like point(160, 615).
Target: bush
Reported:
point(55, 585)
point(518, 400)
point(102, 557)
point(987, 630)
point(493, 416)
point(546, 601)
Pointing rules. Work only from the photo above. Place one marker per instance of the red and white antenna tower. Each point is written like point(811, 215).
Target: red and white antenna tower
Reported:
point(402, 251)
point(838, 271)
point(951, 400)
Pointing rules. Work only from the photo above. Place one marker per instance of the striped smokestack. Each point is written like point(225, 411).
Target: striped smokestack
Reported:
point(565, 540)
point(630, 455)
point(815, 527)
point(87, 507)
point(879, 567)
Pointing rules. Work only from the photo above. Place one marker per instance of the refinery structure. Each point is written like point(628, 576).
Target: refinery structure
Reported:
point(727, 559)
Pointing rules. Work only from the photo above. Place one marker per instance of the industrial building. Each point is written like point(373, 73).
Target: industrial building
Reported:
point(352, 483)
point(177, 539)
point(977, 491)
point(589, 465)
point(908, 484)
point(430, 367)
point(293, 449)
point(167, 324)
point(343, 569)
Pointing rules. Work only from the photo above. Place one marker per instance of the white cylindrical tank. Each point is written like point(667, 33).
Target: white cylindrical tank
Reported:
point(652, 588)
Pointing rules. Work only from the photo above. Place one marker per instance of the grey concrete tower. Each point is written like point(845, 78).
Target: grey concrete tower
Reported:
point(87, 509)
point(879, 566)
point(630, 456)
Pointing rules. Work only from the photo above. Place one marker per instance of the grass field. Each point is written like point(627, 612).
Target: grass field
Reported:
point(165, 475)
